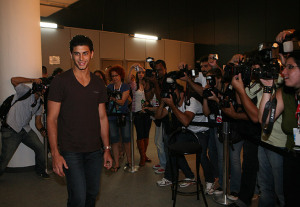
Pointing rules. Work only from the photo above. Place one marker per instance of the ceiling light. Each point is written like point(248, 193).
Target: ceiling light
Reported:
point(48, 25)
point(148, 37)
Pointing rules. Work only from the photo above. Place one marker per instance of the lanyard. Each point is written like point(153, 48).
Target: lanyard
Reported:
point(297, 114)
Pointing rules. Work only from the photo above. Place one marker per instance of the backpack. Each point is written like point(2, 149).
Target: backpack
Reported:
point(6, 105)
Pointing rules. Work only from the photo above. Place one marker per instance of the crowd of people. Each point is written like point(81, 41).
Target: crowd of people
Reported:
point(263, 111)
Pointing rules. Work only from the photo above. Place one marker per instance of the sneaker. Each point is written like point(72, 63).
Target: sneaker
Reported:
point(218, 191)
point(163, 182)
point(44, 175)
point(156, 166)
point(233, 196)
point(209, 188)
point(160, 171)
point(189, 181)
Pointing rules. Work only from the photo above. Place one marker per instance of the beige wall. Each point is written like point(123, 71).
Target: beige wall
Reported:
point(110, 46)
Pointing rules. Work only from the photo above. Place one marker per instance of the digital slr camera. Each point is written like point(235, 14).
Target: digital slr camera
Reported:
point(211, 79)
point(115, 94)
point(44, 85)
point(169, 85)
point(231, 70)
point(151, 72)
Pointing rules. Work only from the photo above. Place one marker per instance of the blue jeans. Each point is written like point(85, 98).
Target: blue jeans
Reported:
point(10, 142)
point(235, 165)
point(83, 177)
point(114, 131)
point(159, 143)
point(270, 177)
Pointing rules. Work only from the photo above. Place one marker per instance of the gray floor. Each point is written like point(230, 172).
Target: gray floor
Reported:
point(122, 189)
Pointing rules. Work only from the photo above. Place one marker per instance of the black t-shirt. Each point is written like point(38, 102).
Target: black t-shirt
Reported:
point(78, 120)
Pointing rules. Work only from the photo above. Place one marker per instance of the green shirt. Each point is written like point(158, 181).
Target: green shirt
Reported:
point(277, 137)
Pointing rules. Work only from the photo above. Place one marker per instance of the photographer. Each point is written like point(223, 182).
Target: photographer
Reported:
point(118, 114)
point(288, 105)
point(182, 115)
point(142, 119)
point(268, 152)
point(152, 90)
point(218, 99)
point(16, 129)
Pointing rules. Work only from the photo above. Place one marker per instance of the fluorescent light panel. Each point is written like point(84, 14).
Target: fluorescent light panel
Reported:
point(48, 25)
point(148, 37)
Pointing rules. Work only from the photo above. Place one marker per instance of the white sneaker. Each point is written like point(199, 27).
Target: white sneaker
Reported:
point(156, 166)
point(160, 171)
point(233, 196)
point(209, 188)
point(189, 181)
point(218, 191)
point(163, 182)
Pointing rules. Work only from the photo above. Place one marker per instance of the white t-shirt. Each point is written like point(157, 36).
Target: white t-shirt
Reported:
point(196, 108)
point(201, 79)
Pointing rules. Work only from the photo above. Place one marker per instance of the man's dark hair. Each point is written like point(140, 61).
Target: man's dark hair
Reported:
point(161, 62)
point(44, 69)
point(204, 59)
point(81, 40)
point(57, 71)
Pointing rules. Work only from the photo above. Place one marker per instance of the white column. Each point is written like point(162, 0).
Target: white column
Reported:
point(20, 55)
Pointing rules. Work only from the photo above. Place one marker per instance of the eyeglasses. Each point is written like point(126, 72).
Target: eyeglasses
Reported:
point(290, 67)
point(114, 76)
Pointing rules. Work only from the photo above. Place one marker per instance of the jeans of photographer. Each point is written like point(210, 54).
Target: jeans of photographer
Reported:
point(10, 142)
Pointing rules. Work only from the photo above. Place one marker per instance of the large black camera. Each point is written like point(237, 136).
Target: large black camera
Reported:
point(151, 72)
point(44, 85)
point(191, 73)
point(270, 67)
point(211, 79)
point(169, 85)
point(231, 70)
point(115, 94)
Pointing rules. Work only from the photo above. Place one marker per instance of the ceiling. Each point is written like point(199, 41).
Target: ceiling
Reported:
point(49, 7)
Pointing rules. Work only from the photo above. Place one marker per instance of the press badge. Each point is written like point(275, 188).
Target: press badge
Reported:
point(296, 133)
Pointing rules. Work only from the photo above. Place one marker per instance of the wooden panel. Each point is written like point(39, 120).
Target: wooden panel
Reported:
point(172, 54)
point(187, 53)
point(95, 37)
point(55, 42)
point(135, 49)
point(112, 45)
point(155, 49)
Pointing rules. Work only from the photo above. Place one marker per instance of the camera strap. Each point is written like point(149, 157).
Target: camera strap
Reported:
point(270, 108)
point(297, 114)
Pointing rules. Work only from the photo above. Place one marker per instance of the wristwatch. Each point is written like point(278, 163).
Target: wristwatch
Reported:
point(107, 147)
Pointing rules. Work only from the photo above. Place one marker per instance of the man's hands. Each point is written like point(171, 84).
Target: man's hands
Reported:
point(237, 83)
point(58, 163)
point(168, 101)
point(107, 159)
point(281, 36)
